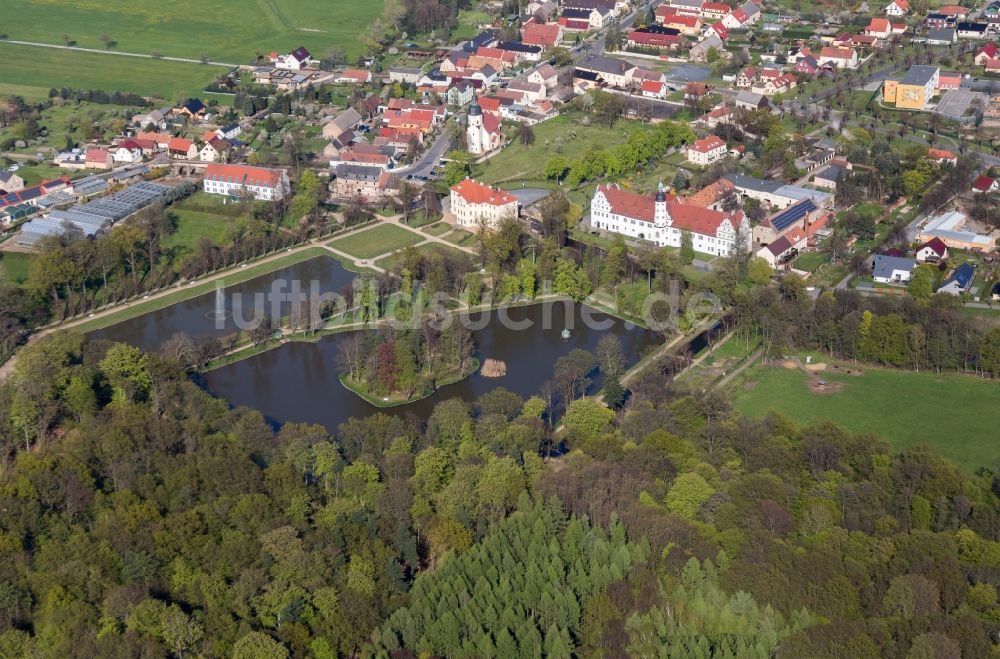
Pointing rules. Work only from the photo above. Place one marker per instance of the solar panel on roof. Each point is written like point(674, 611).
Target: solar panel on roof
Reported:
point(792, 214)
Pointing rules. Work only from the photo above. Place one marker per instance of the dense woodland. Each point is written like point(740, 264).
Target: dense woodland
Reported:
point(142, 517)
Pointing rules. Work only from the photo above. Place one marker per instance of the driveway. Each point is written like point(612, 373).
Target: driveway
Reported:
point(529, 196)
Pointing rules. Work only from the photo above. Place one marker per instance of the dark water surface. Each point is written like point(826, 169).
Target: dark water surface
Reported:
point(300, 381)
point(197, 316)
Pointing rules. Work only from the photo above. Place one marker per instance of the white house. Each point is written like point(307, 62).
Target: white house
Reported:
point(473, 203)
point(127, 151)
point(932, 251)
point(840, 57)
point(707, 150)
point(259, 182)
point(664, 222)
point(300, 58)
point(897, 8)
point(892, 269)
point(214, 150)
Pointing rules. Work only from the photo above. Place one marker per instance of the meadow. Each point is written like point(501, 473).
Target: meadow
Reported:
point(379, 240)
point(31, 71)
point(233, 31)
point(958, 415)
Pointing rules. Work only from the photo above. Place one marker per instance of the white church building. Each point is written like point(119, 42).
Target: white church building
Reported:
point(662, 219)
point(483, 132)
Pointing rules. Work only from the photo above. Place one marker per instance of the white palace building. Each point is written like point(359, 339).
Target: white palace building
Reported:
point(663, 219)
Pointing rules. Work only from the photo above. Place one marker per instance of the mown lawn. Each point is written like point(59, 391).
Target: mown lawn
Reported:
point(565, 135)
point(461, 237)
point(390, 262)
point(811, 261)
point(958, 415)
point(373, 242)
point(227, 30)
point(43, 68)
point(14, 266)
point(194, 225)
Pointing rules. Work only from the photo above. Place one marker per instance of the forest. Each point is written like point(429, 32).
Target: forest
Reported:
point(141, 516)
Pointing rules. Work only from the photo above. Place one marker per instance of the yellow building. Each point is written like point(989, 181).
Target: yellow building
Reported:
point(915, 90)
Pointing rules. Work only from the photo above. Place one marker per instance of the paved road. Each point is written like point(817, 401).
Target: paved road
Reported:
point(430, 158)
point(120, 53)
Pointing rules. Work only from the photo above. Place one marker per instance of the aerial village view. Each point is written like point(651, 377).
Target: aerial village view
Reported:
point(447, 328)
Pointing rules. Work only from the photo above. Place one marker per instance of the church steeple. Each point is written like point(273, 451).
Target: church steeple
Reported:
point(661, 217)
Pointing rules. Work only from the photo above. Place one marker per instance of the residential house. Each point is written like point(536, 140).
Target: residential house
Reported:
point(699, 52)
point(656, 38)
point(932, 251)
point(261, 183)
point(653, 89)
point(531, 91)
point(127, 151)
point(943, 36)
point(683, 23)
point(369, 182)
point(897, 8)
point(879, 27)
point(545, 35)
point(408, 74)
point(192, 110)
point(714, 11)
point(777, 194)
point(949, 80)
point(960, 281)
point(993, 66)
point(841, 58)
point(182, 148)
point(971, 30)
point(828, 177)
point(98, 159)
point(544, 75)
point(751, 101)
point(353, 77)
point(985, 184)
point(892, 269)
point(10, 182)
point(214, 150)
point(780, 251)
point(300, 58)
point(804, 217)
point(722, 114)
point(613, 72)
point(473, 204)
point(914, 90)
point(461, 93)
point(523, 52)
point(484, 38)
point(707, 150)
point(664, 220)
point(939, 21)
point(986, 53)
point(942, 156)
point(346, 120)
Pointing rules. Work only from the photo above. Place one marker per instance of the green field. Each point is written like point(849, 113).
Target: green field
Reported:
point(958, 415)
point(564, 135)
point(461, 237)
point(43, 68)
point(227, 30)
point(200, 215)
point(372, 242)
point(390, 262)
point(14, 266)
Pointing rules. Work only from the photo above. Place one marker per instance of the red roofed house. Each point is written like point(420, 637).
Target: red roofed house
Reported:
point(473, 203)
point(957, 11)
point(235, 180)
point(98, 159)
point(987, 52)
point(720, 30)
point(933, 250)
point(992, 65)
point(879, 27)
point(707, 150)
point(899, 28)
point(127, 151)
point(720, 115)
point(354, 76)
point(182, 149)
point(545, 35)
point(842, 58)
point(985, 184)
point(653, 89)
point(942, 155)
point(689, 25)
point(897, 8)
point(949, 80)
point(641, 39)
point(714, 10)
point(664, 221)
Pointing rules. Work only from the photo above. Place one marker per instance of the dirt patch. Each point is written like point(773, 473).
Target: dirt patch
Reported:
point(823, 387)
point(788, 363)
point(821, 366)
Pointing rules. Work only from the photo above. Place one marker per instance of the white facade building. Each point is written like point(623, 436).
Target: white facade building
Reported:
point(259, 182)
point(473, 203)
point(663, 221)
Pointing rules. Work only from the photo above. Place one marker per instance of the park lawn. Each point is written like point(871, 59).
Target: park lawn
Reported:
point(49, 67)
point(437, 229)
point(191, 226)
point(232, 31)
point(373, 242)
point(461, 237)
point(958, 415)
point(565, 135)
point(390, 262)
point(14, 266)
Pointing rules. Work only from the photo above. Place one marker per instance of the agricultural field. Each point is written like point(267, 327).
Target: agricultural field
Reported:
point(372, 242)
point(958, 415)
point(44, 68)
point(232, 31)
point(565, 135)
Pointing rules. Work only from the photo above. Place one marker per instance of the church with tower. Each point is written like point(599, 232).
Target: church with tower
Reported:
point(483, 132)
point(663, 219)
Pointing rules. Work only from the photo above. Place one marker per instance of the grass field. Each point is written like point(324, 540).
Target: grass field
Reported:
point(43, 68)
point(461, 237)
point(811, 261)
point(380, 240)
point(227, 30)
point(389, 262)
point(14, 266)
point(437, 229)
point(958, 415)
point(565, 135)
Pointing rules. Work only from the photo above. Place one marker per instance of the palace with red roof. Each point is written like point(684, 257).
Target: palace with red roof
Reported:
point(473, 203)
point(662, 219)
point(235, 180)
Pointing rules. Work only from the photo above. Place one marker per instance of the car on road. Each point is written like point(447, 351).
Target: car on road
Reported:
point(434, 172)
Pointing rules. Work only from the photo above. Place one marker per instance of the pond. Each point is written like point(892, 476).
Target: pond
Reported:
point(300, 381)
point(211, 314)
